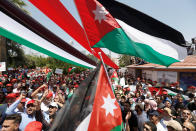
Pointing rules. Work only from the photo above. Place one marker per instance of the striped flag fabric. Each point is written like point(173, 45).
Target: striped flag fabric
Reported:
point(17, 32)
point(58, 13)
point(121, 29)
point(93, 107)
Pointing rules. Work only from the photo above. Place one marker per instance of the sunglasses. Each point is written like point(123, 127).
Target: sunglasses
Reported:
point(184, 127)
point(186, 113)
point(30, 105)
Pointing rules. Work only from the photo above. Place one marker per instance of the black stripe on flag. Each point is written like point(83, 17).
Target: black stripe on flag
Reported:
point(80, 105)
point(142, 22)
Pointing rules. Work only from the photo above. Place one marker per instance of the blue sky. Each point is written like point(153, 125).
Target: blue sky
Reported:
point(179, 14)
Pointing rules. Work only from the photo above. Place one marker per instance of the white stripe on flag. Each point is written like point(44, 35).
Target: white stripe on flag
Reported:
point(11, 25)
point(84, 124)
point(162, 46)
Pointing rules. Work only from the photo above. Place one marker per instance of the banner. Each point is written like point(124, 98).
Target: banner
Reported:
point(2, 66)
point(166, 76)
point(58, 71)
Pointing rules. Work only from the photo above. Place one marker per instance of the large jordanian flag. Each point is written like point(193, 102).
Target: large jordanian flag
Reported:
point(93, 107)
point(132, 33)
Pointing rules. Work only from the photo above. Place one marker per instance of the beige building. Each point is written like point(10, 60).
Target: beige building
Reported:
point(184, 72)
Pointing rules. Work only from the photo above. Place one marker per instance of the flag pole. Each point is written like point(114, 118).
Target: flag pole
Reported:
point(105, 69)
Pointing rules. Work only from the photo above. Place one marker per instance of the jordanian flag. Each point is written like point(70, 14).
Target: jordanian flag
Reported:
point(114, 77)
point(131, 33)
point(93, 107)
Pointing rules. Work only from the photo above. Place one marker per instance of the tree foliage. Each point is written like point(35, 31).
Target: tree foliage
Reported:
point(15, 54)
point(126, 60)
point(52, 63)
point(20, 4)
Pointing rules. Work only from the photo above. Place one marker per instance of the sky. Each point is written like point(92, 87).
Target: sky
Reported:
point(178, 14)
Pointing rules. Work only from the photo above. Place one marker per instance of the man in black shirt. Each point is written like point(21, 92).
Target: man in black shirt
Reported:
point(129, 118)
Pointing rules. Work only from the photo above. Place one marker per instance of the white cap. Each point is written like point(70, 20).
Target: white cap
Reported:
point(54, 104)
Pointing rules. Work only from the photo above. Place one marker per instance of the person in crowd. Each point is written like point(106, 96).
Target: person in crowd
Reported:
point(42, 98)
point(154, 117)
point(9, 88)
point(129, 118)
point(166, 115)
point(141, 116)
point(11, 123)
point(149, 126)
point(132, 104)
point(31, 113)
point(192, 105)
point(188, 126)
point(173, 126)
point(53, 108)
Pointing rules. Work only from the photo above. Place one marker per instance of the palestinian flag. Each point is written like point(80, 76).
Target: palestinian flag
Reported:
point(134, 33)
point(71, 69)
point(93, 107)
point(14, 28)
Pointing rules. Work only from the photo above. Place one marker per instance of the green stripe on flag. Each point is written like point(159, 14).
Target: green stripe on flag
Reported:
point(118, 128)
point(29, 44)
point(118, 41)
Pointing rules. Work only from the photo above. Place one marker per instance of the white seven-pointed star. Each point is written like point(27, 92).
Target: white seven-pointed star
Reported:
point(100, 13)
point(109, 105)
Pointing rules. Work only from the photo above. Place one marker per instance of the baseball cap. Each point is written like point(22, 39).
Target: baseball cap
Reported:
point(167, 110)
point(174, 124)
point(8, 84)
point(23, 100)
point(154, 113)
point(34, 126)
point(5, 75)
point(31, 102)
point(164, 92)
point(53, 104)
point(11, 95)
point(167, 99)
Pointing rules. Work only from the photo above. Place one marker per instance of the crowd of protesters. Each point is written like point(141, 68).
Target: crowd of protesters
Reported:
point(149, 110)
point(29, 100)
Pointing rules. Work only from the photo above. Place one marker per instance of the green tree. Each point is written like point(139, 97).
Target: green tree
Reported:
point(15, 54)
point(124, 60)
point(11, 52)
point(20, 4)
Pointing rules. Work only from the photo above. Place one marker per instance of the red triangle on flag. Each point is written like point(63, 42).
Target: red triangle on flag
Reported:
point(106, 113)
point(97, 21)
point(114, 75)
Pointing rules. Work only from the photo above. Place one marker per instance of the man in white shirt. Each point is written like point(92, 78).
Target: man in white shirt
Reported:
point(154, 117)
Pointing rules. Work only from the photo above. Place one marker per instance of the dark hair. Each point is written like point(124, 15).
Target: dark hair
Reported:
point(143, 97)
point(152, 125)
point(16, 117)
point(123, 97)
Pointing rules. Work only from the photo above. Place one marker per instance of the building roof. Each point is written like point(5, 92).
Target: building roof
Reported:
point(189, 63)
